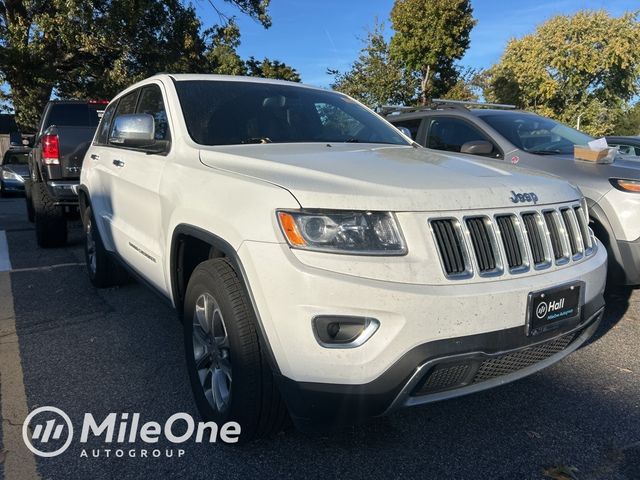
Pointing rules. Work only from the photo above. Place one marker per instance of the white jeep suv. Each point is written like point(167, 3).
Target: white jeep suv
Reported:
point(325, 266)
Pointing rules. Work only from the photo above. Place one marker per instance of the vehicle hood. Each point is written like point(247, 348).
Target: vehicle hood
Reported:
point(22, 170)
point(375, 177)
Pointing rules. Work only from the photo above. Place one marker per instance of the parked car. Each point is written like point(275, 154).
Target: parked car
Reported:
point(9, 133)
point(14, 169)
point(626, 145)
point(64, 134)
point(505, 136)
point(324, 264)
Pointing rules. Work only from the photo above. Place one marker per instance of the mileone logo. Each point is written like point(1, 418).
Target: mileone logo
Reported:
point(52, 433)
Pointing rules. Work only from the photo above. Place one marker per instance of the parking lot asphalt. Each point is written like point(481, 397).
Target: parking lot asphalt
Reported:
point(120, 350)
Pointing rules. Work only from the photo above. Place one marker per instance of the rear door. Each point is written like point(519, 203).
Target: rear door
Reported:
point(135, 198)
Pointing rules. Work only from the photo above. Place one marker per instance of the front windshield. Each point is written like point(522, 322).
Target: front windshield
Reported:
point(15, 158)
point(233, 112)
point(535, 134)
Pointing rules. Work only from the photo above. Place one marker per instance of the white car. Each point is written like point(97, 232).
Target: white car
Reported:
point(325, 266)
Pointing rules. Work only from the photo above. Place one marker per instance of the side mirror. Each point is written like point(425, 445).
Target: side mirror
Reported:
point(477, 147)
point(133, 130)
point(406, 131)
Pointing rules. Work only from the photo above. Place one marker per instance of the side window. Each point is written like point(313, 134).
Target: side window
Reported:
point(151, 102)
point(412, 125)
point(627, 149)
point(105, 123)
point(450, 134)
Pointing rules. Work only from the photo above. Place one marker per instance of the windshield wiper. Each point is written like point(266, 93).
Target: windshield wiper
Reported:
point(257, 140)
point(545, 152)
point(352, 140)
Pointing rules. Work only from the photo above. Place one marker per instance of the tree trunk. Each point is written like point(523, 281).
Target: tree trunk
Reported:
point(425, 86)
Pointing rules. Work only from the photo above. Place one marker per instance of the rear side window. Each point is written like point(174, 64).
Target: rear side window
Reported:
point(73, 115)
point(627, 149)
point(151, 103)
point(105, 123)
point(451, 133)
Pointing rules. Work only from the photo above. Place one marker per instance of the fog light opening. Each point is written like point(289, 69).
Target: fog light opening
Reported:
point(332, 331)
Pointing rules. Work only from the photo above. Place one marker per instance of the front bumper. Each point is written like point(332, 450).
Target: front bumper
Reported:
point(629, 254)
point(12, 186)
point(421, 327)
point(434, 371)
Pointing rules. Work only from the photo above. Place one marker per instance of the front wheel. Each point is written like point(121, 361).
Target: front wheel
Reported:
point(229, 374)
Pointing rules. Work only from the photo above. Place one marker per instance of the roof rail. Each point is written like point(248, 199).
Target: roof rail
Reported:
point(464, 103)
point(437, 103)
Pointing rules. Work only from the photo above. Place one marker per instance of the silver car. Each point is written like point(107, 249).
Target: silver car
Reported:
point(505, 135)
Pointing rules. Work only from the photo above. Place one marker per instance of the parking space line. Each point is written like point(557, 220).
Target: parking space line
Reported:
point(5, 262)
point(48, 267)
point(19, 461)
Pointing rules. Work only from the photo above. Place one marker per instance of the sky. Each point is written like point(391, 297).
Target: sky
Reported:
point(313, 35)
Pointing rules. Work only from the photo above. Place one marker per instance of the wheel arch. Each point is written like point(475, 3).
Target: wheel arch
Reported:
point(219, 247)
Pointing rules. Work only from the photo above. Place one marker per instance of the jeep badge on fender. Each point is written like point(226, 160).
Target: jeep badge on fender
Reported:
point(523, 197)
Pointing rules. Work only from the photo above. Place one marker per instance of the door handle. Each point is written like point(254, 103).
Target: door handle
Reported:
point(94, 156)
point(118, 163)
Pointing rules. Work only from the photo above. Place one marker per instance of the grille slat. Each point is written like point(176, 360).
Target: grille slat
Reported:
point(554, 234)
point(534, 237)
point(569, 225)
point(584, 228)
point(481, 242)
point(512, 246)
point(450, 246)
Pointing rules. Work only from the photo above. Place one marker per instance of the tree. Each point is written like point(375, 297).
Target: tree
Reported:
point(629, 122)
point(95, 47)
point(271, 69)
point(430, 35)
point(221, 55)
point(585, 66)
point(375, 78)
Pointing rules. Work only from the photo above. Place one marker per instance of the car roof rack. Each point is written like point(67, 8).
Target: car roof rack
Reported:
point(441, 103)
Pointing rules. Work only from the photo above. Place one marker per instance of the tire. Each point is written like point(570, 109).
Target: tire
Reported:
point(2, 192)
point(103, 270)
point(235, 357)
point(29, 200)
point(50, 220)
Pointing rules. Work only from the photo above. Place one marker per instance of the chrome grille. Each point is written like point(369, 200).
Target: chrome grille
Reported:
point(533, 232)
point(450, 244)
point(483, 246)
point(511, 242)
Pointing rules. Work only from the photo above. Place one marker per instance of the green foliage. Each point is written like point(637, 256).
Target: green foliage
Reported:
point(271, 69)
point(586, 65)
point(221, 56)
point(430, 35)
point(95, 48)
point(375, 78)
point(629, 121)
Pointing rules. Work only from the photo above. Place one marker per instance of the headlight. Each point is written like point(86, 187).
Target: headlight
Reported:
point(9, 175)
point(357, 233)
point(632, 186)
